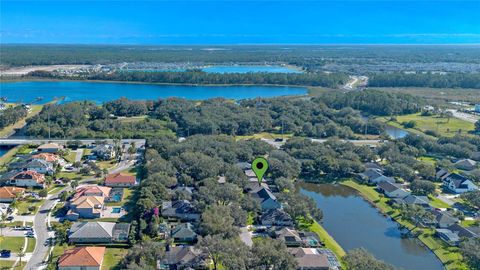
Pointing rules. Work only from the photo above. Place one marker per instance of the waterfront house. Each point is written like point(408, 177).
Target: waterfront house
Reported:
point(374, 176)
point(8, 194)
point(120, 180)
point(444, 219)
point(184, 232)
point(289, 236)
point(458, 183)
point(104, 151)
point(49, 148)
point(27, 179)
point(413, 200)
point(82, 258)
point(98, 232)
point(265, 198)
point(310, 259)
point(465, 232)
point(183, 257)
point(392, 190)
point(180, 209)
point(465, 164)
point(276, 217)
point(448, 236)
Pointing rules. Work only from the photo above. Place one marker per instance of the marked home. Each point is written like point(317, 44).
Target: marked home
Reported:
point(82, 258)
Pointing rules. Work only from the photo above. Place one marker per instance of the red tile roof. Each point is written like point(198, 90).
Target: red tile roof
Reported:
point(82, 256)
point(119, 178)
point(10, 192)
point(38, 177)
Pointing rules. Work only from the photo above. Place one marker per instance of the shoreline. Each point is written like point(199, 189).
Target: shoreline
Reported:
point(310, 90)
point(422, 240)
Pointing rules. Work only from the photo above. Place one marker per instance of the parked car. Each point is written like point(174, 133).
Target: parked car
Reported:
point(5, 253)
point(30, 234)
point(9, 218)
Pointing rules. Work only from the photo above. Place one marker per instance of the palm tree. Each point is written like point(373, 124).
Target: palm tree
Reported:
point(20, 254)
point(74, 184)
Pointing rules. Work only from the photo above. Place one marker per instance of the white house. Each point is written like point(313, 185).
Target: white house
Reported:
point(392, 190)
point(458, 183)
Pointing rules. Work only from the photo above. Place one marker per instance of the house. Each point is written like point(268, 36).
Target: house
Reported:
point(180, 209)
point(276, 217)
point(49, 148)
point(93, 190)
point(441, 174)
point(82, 258)
point(374, 176)
point(465, 232)
point(86, 207)
point(104, 151)
point(443, 219)
point(289, 236)
point(8, 194)
point(475, 156)
point(458, 183)
point(27, 179)
point(373, 165)
point(310, 259)
point(465, 164)
point(183, 257)
point(38, 165)
point(48, 157)
point(448, 236)
point(184, 232)
point(413, 200)
point(392, 190)
point(265, 198)
point(98, 232)
point(120, 180)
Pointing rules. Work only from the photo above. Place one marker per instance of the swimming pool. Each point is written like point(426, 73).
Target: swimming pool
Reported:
point(116, 210)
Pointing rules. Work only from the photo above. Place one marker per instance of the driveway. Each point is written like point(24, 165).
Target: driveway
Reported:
point(246, 236)
point(8, 231)
point(78, 155)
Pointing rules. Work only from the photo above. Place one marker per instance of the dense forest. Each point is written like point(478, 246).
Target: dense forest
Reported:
point(11, 115)
point(449, 80)
point(311, 57)
point(331, 80)
point(309, 117)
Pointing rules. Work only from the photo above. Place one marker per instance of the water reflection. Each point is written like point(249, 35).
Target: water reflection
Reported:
point(354, 223)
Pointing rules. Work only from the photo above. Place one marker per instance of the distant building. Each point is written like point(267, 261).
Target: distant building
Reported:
point(180, 209)
point(313, 259)
point(477, 108)
point(448, 236)
point(392, 190)
point(98, 232)
point(27, 179)
point(184, 232)
point(183, 257)
point(49, 148)
point(104, 151)
point(466, 164)
point(276, 217)
point(458, 183)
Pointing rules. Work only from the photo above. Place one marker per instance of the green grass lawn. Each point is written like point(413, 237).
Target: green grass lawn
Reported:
point(429, 160)
point(7, 157)
point(56, 253)
point(443, 126)
point(112, 258)
point(450, 256)
point(469, 223)
point(23, 205)
point(8, 265)
point(71, 156)
point(12, 243)
point(437, 203)
point(106, 164)
point(31, 245)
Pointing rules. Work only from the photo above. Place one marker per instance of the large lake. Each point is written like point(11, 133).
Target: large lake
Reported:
point(252, 69)
point(354, 223)
point(100, 92)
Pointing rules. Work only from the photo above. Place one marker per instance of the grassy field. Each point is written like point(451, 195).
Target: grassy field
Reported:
point(12, 243)
point(437, 203)
point(449, 256)
point(31, 245)
point(8, 156)
point(23, 205)
point(437, 95)
point(8, 265)
point(330, 243)
point(112, 258)
point(7, 131)
point(443, 126)
point(71, 156)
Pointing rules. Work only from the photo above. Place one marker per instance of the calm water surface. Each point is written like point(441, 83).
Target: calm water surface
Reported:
point(101, 92)
point(395, 133)
point(247, 69)
point(354, 223)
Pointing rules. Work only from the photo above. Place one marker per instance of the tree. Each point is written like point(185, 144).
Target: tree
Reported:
point(272, 254)
point(470, 249)
point(360, 259)
point(417, 215)
point(20, 254)
point(43, 193)
point(216, 219)
point(472, 197)
point(144, 255)
point(63, 196)
point(477, 126)
point(422, 187)
point(74, 184)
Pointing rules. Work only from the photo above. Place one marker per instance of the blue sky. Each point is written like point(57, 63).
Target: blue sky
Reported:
point(240, 22)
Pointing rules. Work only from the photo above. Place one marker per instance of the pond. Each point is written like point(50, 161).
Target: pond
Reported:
point(354, 223)
point(3, 150)
point(395, 132)
point(101, 92)
point(253, 69)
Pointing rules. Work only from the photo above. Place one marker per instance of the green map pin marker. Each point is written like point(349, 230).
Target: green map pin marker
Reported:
point(259, 167)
